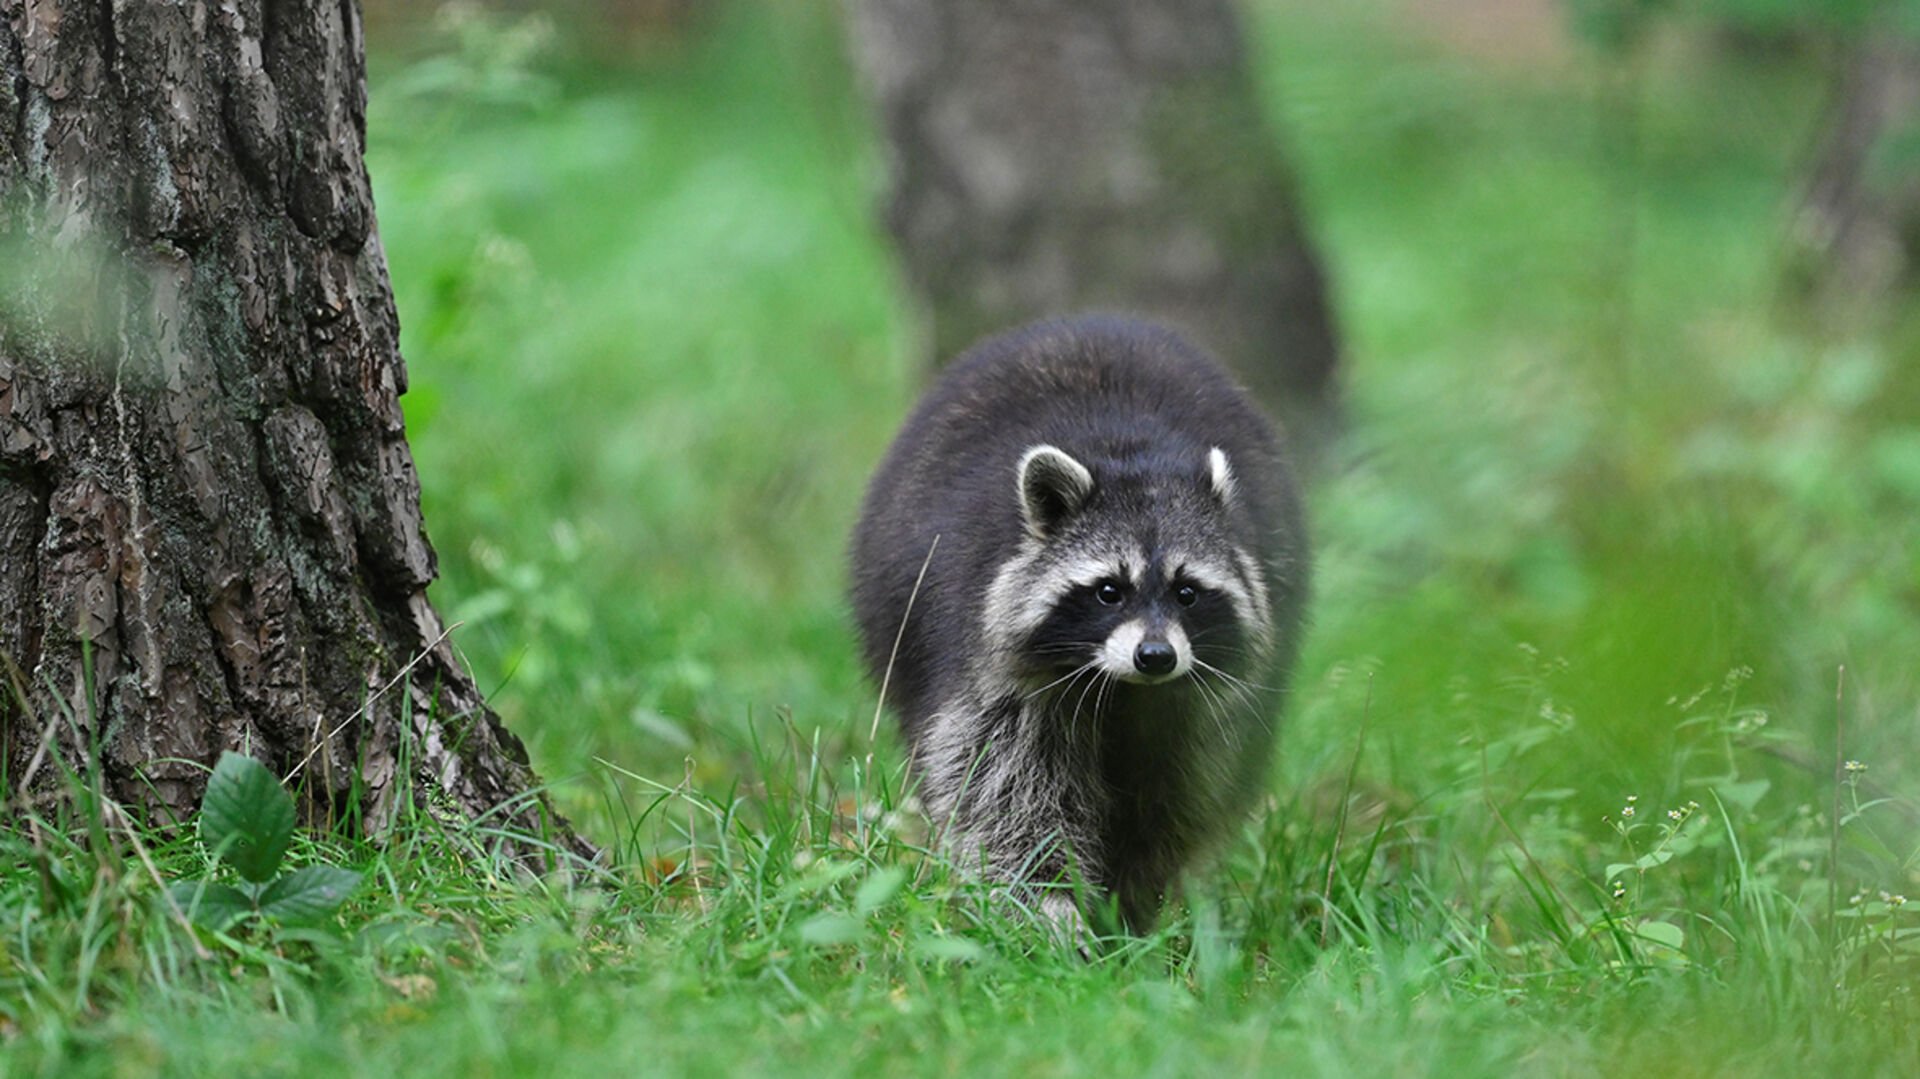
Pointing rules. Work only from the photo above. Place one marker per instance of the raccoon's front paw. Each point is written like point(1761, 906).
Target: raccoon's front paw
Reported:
point(1068, 923)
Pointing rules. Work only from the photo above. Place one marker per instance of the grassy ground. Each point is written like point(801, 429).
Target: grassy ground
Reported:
point(1611, 518)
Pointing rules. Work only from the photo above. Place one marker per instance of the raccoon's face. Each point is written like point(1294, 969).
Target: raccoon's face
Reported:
point(1134, 575)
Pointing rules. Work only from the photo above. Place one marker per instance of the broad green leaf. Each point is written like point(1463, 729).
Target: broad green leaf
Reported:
point(210, 905)
point(247, 817)
point(828, 929)
point(878, 888)
point(1665, 934)
point(1616, 870)
point(308, 894)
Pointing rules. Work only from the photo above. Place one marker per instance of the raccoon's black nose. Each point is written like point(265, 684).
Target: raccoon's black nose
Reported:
point(1155, 657)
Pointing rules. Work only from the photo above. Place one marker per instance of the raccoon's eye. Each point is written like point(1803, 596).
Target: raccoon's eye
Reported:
point(1186, 595)
point(1107, 593)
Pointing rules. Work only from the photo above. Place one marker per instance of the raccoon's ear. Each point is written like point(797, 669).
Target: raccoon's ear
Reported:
point(1220, 475)
point(1053, 487)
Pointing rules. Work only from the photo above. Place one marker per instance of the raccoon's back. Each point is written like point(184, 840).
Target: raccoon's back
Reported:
point(1096, 386)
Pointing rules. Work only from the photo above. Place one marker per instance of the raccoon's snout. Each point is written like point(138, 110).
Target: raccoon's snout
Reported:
point(1155, 658)
point(1140, 652)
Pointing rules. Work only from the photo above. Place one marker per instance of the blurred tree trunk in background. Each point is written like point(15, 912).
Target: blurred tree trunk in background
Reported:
point(210, 532)
point(1858, 223)
point(1049, 156)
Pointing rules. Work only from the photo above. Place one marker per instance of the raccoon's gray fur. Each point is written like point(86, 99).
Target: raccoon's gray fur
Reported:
point(1093, 665)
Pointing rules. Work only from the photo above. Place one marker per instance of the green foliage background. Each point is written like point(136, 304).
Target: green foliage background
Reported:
point(1612, 513)
point(656, 347)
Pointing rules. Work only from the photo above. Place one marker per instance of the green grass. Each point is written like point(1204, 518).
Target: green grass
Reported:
point(1610, 518)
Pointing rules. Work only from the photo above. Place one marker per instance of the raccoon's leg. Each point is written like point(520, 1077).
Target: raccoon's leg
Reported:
point(1016, 799)
point(1141, 893)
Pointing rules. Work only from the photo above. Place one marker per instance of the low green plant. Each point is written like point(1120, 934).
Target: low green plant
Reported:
point(247, 822)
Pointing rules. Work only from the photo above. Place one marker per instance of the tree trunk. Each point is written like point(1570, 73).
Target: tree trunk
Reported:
point(1049, 156)
point(1858, 223)
point(210, 531)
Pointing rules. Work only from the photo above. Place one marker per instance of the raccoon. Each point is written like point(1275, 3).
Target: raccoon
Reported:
point(1079, 577)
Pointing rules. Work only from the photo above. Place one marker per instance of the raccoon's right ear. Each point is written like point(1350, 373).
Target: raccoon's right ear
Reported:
point(1053, 487)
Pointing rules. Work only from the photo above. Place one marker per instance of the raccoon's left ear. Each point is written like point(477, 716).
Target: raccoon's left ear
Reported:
point(1053, 487)
point(1220, 475)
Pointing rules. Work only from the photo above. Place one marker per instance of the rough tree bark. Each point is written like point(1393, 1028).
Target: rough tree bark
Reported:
point(210, 532)
point(1858, 222)
point(1049, 156)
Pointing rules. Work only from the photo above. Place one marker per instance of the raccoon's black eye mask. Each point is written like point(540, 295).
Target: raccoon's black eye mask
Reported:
point(1111, 592)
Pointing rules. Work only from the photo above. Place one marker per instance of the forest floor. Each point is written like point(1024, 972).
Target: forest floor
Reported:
point(1612, 514)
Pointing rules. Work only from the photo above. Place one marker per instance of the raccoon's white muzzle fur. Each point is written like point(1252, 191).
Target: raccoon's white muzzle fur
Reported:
point(1134, 653)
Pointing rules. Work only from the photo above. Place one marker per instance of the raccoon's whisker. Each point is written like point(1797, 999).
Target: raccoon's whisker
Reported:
point(1214, 706)
point(1073, 718)
point(1199, 680)
point(1075, 673)
point(1073, 724)
point(1218, 690)
point(1100, 697)
point(1220, 722)
point(1202, 669)
point(1081, 700)
point(1224, 685)
point(1221, 653)
point(1243, 700)
point(1225, 648)
point(1234, 643)
point(1108, 690)
point(1060, 697)
point(1232, 679)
